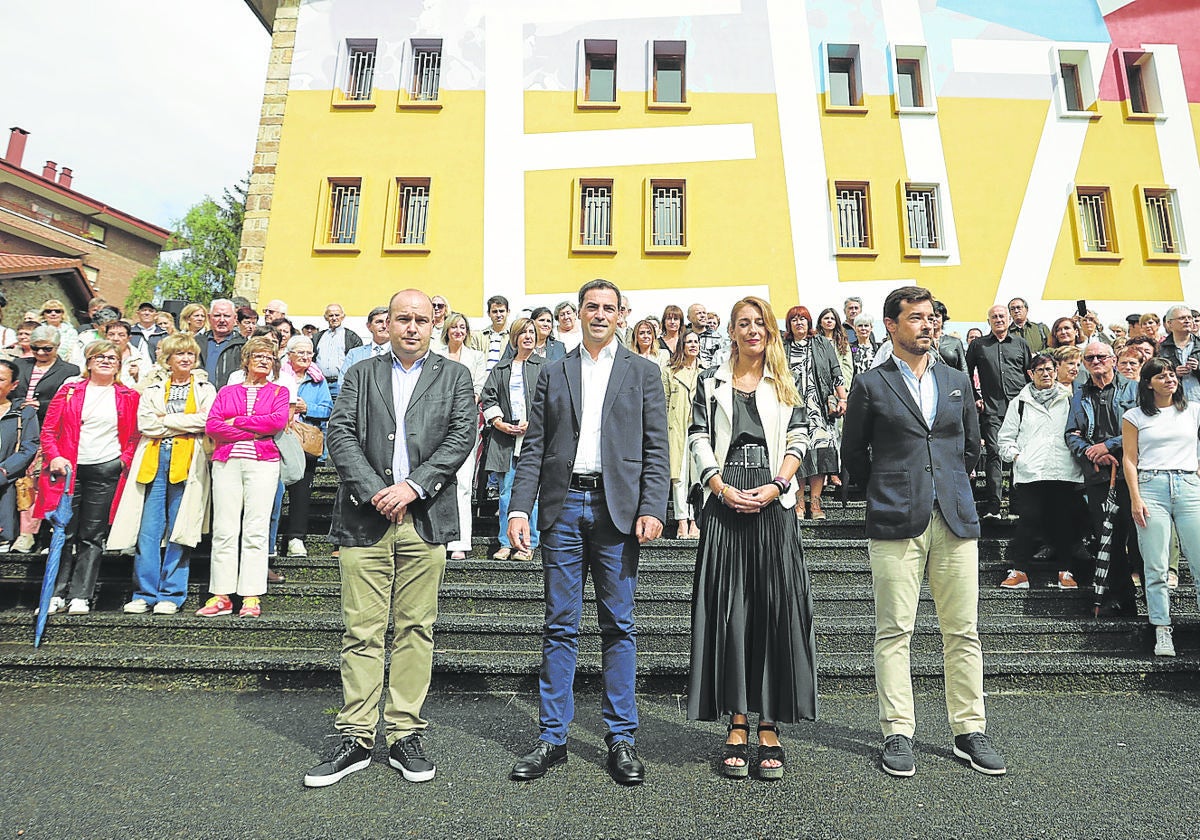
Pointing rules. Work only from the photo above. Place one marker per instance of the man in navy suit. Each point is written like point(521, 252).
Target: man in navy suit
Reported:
point(911, 435)
point(595, 458)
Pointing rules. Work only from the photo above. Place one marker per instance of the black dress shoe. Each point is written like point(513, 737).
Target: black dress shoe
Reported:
point(541, 758)
point(624, 765)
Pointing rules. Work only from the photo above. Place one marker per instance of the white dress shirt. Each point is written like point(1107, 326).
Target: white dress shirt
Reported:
point(595, 376)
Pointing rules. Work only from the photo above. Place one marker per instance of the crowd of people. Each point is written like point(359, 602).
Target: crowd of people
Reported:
point(157, 429)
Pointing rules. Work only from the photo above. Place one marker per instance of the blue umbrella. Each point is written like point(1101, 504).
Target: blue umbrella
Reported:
point(58, 519)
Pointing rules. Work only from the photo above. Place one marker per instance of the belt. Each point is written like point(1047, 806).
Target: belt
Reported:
point(588, 481)
point(750, 456)
point(1166, 472)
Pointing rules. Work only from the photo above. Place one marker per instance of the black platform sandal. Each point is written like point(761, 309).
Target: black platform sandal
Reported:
point(739, 752)
point(769, 754)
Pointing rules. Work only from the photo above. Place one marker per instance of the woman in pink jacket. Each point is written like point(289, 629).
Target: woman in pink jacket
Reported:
point(91, 432)
point(243, 422)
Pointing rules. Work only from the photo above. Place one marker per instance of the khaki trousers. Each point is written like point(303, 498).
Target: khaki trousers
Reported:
point(401, 572)
point(897, 567)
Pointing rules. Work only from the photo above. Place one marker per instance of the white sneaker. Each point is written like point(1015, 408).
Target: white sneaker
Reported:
point(23, 544)
point(165, 608)
point(1164, 643)
point(78, 606)
point(56, 604)
point(137, 606)
point(5, 547)
point(296, 548)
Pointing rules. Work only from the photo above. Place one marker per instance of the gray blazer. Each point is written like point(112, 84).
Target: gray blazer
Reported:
point(887, 446)
point(633, 444)
point(495, 398)
point(440, 423)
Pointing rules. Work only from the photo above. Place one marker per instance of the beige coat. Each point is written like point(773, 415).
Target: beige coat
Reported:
point(785, 427)
point(681, 388)
point(154, 422)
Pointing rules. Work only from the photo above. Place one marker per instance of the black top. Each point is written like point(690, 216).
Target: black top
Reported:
point(747, 422)
point(1001, 366)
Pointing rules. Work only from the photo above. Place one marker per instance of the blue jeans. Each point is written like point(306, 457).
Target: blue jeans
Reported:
point(584, 539)
point(276, 512)
point(505, 496)
point(158, 575)
point(1169, 497)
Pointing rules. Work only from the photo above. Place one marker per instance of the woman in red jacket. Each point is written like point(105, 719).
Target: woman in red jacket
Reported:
point(91, 431)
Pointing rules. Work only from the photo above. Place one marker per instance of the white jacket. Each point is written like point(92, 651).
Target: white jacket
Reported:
point(1031, 438)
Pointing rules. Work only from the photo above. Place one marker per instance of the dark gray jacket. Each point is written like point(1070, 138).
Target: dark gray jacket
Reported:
point(495, 395)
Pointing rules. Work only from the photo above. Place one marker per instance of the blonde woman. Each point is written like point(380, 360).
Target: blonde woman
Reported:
point(193, 319)
point(681, 388)
point(169, 494)
point(752, 634)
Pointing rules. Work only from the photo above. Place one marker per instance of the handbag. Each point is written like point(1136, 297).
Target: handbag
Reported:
point(312, 439)
point(25, 484)
point(291, 457)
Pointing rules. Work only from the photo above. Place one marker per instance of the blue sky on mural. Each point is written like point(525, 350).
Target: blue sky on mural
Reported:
point(1064, 20)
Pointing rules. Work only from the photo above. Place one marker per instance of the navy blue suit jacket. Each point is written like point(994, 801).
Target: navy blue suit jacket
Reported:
point(887, 445)
point(633, 441)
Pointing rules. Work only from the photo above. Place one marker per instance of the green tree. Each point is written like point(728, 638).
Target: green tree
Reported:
point(211, 231)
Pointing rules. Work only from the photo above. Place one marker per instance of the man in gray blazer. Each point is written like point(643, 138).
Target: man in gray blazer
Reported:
point(911, 435)
point(396, 508)
point(595, 459)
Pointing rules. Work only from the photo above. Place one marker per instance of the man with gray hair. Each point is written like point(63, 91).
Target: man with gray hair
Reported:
point(377, 326)
point(852, 307)
point(221, 345)
point(1036, 335)
point(1181, 348)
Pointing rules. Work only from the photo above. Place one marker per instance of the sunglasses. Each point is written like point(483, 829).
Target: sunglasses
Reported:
point(52, 312)
point(1095, 358)
point(439, 306)
point(43, 349)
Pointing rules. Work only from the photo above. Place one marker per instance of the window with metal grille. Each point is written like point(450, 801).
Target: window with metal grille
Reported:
point(669, 66)
point(853, 209)
point(412, 210)
point(344, 197)
point(1164, 232)
point(600, 58)
point(360, 70)
point(595, 212)
point(426, 69)
point(843, 76)
point(923, 217)
point(1094, 207)
point(669, 209)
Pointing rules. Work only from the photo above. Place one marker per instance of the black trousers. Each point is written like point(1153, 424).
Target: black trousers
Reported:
point(299, 496)
point(95, 487)
point(989, 427)
point(1050, 513)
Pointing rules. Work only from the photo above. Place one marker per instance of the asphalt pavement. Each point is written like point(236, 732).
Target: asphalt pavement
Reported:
point(95, 762)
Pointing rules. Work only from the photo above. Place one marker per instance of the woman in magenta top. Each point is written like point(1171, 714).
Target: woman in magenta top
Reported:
point(243, 422)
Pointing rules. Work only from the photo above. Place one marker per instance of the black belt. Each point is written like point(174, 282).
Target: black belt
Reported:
point(750, 456)
point(588, 481)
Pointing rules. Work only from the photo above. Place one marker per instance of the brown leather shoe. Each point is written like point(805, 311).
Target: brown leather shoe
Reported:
point(274, 577)
point(815, 507)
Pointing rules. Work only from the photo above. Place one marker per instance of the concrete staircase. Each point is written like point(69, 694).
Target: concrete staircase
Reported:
point(488, 632)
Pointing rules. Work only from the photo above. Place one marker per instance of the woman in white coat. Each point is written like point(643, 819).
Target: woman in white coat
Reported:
point(1047, 481)
point(455, 330)
point(168, 493)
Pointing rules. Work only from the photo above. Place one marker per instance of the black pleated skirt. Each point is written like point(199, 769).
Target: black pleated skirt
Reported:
point(753, 646)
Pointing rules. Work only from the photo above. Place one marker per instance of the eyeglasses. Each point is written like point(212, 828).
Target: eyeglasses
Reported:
point(439, 306)
point(304, 354)
point(46, 348)
point(112, 360)
point(1098, 358)
point(262, 357)
point(52, 312)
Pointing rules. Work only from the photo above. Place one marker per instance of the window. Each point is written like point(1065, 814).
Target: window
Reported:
point(426, 69)
point(1162, 224)
point(668, 216)
point(344, 197)
point(912, 88)
point(359, 81)
point(600, 71)
point(1095, 229)
point(852, 214)
point(843, 88)
point(922, 218)
point(595, 213)
point(1141, 85)
point(670, 81)
point(412, 209)
point(1076, 88)
point(96, 232)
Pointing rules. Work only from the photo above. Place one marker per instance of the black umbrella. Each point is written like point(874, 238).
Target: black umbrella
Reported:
point(1104, 551)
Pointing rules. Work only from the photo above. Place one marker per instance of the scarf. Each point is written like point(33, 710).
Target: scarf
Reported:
point(181, 451)
point(1045, 396)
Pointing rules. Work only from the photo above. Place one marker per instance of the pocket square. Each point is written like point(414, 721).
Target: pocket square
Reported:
point(955, 393)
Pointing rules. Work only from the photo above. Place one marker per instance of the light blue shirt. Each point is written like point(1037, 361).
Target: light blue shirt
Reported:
point(404, 382)
point(364, 351)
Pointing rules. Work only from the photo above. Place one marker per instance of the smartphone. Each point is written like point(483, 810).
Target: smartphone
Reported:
point(1081, 308)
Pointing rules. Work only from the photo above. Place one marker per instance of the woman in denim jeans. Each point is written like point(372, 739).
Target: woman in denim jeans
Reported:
point(1159, 442)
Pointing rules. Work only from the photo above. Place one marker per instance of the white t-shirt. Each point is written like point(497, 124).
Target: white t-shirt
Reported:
point(1168, 440)
point(99, 439)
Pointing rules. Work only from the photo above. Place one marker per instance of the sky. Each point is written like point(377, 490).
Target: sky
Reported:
point(152, 103)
